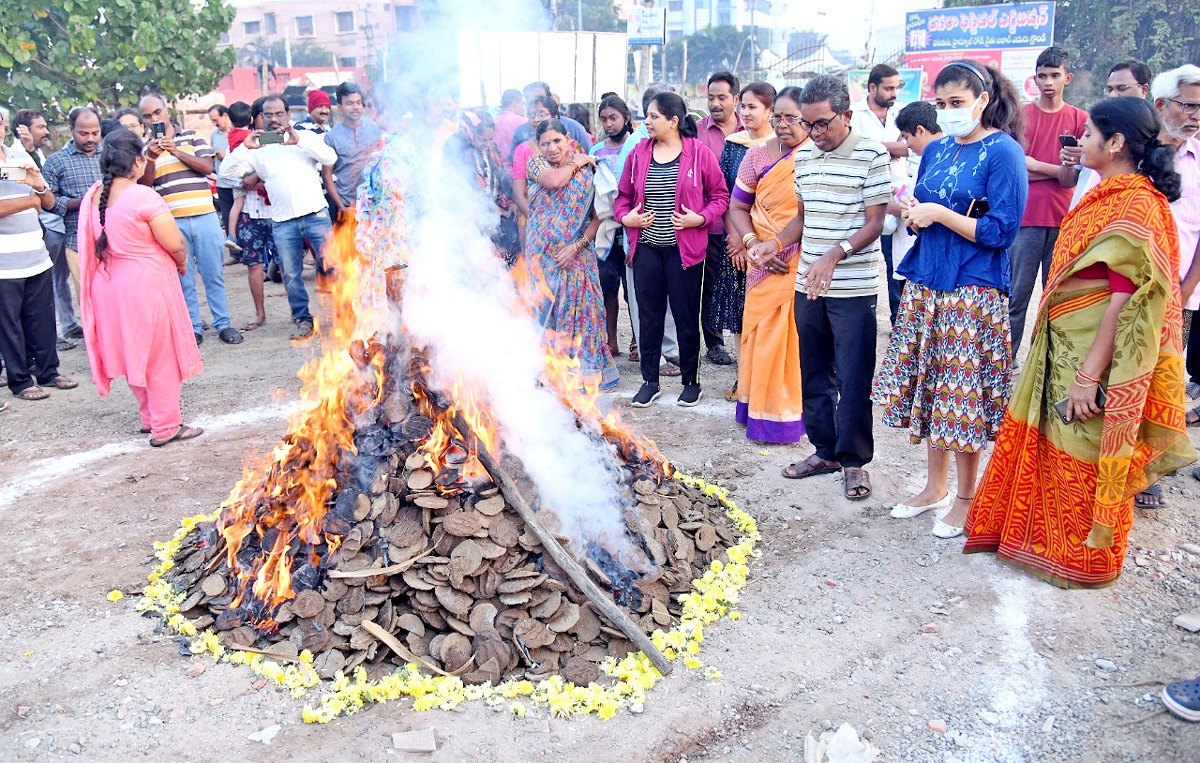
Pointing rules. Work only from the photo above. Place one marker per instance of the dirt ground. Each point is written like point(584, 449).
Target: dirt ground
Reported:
point(849, 617)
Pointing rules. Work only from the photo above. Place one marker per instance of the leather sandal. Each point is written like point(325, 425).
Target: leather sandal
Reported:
point(811, 467)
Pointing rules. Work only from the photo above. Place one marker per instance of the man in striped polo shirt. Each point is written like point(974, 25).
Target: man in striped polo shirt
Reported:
point(843, 184)
point(27, 333)
point(179, 166)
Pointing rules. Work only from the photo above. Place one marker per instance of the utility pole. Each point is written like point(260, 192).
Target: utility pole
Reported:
point(579, 8)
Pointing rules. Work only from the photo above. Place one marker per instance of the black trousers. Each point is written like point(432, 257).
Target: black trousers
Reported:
point(1192, 351)
point(658, 278)
point(895, 289)
point(27, 332)
point(224, 205)
point(837, 364)
point(712, 267)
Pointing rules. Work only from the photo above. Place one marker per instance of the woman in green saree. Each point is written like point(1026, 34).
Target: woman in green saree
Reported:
point(1057, 496)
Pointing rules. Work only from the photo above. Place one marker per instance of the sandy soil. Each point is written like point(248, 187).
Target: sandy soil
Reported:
point(850, 616)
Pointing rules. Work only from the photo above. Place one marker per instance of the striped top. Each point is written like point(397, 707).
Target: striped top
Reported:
point(661, 180)
point(22, 251)
point(186, 191)
point(834, 189)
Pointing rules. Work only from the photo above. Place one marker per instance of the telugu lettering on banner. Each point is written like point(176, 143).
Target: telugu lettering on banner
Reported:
point(1007, 36)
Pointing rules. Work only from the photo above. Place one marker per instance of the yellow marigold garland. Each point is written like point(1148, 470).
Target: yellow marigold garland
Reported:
point(715, 596)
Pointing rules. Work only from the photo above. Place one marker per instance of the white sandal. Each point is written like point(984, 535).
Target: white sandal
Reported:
point(905, 511)
point(943, 530)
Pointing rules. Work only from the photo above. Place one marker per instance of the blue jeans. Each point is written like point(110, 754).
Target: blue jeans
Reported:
point(290, 236)
point(206, 253)
point(60, 277)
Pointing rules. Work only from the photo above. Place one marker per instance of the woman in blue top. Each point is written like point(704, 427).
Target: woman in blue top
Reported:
point(947, 374)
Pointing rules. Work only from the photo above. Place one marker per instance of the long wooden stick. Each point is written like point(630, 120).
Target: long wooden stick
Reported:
point(578, 576)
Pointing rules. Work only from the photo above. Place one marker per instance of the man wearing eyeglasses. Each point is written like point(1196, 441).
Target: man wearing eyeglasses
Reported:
point(1176, 96)
point(1127, 79)
point(843, 185)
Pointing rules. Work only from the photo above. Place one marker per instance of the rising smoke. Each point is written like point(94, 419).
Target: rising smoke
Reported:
point(460, 303)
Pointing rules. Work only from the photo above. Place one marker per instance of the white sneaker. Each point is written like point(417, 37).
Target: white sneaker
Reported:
point(943, 530)
point(904, 511)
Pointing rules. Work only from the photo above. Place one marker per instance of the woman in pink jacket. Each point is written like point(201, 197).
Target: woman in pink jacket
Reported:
point(671, 190)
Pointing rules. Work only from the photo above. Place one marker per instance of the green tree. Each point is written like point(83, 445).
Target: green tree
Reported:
point(1099, 33)
point(57, 53)
point(598, 15)
point(711, 49)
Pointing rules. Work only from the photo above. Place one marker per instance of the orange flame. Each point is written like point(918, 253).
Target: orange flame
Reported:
point(282, 499)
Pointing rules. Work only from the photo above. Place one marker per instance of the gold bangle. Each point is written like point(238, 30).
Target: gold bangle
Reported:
point(778, 243)
point(1080, 384)
point(1085, 377)
point(746, 239)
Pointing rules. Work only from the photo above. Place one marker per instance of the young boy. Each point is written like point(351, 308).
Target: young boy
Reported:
point(1045, 120)
point(918, 126)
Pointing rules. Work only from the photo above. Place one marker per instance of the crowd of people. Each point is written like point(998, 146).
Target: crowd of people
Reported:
point(775, 221)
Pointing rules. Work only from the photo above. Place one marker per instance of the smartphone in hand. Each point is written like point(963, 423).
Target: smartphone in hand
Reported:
point(14, 174)
point(158, 130)
point(269, 137)
point(1068, 141)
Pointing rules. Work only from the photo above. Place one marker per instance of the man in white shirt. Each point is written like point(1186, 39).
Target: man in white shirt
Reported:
point(291, 171)
point(1127, 79)
point(875, 119)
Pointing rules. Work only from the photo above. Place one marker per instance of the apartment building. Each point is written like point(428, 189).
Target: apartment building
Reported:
point(354, 31)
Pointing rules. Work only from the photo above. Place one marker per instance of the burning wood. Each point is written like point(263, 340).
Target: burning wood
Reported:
point(416, 542)
point(374, 534)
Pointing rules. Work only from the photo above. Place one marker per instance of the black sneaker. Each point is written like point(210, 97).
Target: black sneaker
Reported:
point(646, 396)
point(690, 396)
point(1183, 699)
point(718, 356)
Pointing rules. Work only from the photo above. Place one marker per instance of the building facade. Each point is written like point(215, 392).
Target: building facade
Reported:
point(355, 32)
point(685, 17)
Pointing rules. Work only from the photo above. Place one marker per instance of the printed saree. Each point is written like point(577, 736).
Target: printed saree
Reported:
point(567, 301)
point(1057, 499)
point(769, 401)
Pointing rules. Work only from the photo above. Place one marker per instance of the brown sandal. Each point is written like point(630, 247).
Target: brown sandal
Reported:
point(856, 479)
point(811, 467)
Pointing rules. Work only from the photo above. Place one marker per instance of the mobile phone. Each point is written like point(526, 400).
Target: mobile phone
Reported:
point(15, 174)
point(978, 208)
point(269, 137)
point(1068, 141)
point(158, 130)
point(1061, 406)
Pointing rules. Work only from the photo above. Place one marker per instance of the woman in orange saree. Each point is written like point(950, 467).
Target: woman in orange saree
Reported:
point(1057, 495)
point(762, 203)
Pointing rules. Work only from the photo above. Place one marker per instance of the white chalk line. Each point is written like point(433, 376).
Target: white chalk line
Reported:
point(47, 470)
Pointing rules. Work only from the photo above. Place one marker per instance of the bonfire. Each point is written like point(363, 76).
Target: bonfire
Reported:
point(397, 523)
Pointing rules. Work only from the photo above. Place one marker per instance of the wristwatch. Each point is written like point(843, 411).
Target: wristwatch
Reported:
point(846, 247)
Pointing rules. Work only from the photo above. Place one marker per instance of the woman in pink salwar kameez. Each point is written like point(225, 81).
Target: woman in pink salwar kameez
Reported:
point(135, 320)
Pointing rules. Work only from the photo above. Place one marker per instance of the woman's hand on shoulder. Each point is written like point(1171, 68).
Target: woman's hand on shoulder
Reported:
point(582, 160)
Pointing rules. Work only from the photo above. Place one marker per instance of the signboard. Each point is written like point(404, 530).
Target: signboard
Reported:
point(647, 26)
point(910, 85)
point(1008, 37)
point(579, 66)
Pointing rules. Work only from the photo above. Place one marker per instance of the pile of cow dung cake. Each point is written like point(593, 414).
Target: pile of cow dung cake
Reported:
point(425, 559)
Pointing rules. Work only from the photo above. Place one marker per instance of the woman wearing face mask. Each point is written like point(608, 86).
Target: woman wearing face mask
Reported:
point(135, 321)
point(1057, 497)
point(671, 191)
point(540, 110)
point(947, 374)
point(562, 285)
point(756, 105)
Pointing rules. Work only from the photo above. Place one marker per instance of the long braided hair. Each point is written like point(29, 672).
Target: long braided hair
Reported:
point(121, 149)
